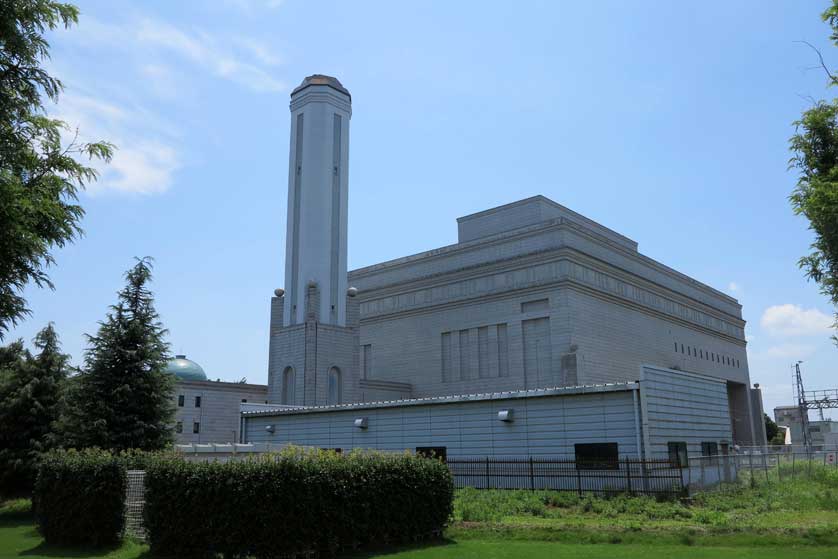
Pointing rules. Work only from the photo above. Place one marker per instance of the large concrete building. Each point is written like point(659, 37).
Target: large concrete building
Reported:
point(532, 297)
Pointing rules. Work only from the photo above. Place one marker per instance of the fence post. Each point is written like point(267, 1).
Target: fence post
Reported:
point(532, 476)
point(793, 454)
point(628, 475)
point(765, 466)
point(488, 483)
point(578, 479)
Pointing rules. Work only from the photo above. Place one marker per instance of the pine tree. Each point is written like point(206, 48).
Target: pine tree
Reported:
point(29, 396)
point(122, 399)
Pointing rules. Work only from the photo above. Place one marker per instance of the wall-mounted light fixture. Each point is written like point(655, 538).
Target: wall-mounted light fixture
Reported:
point(506, 415)
point(269, 428)
point(361, 422)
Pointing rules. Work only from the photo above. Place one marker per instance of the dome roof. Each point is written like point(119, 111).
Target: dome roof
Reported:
point(185, 369)
point(320, 79)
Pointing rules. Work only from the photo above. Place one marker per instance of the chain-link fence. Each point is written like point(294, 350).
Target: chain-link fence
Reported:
point(134, 503)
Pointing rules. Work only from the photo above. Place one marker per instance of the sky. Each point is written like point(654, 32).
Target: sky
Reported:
point(665, 121)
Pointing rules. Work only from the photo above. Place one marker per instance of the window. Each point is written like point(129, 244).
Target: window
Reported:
point(678, 454)
point(366, 356)
point(676, 347)
point(180, 401)
point(597, 456)
point(335, 386)
point(701, 353)
point(197, 401)
point(288, 382)
point(244, 400)
point(682, 348)
point(709, 449)
point(179, 427)
point(196, 427)
point(439, 452)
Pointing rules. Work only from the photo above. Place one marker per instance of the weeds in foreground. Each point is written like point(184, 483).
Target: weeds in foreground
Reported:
point(807, 490)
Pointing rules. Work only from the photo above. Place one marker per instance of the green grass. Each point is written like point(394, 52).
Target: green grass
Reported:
point(19, 538)
point(548, 550)
point(795, 517)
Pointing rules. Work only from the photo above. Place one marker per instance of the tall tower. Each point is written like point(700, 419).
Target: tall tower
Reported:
point(318, 187)
point(313, 349)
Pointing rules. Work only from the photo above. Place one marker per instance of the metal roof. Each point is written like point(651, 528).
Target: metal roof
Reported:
point(453, 399)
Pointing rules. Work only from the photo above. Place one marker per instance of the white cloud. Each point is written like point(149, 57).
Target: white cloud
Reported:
point(144, 160)
point(794, 320)
point(250, 7)
point(790, 351)
point(242, 60)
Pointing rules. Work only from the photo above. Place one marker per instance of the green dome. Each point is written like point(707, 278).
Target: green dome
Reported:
point(185, 369)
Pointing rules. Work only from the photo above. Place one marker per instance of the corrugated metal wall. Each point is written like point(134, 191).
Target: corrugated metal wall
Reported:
point(683, 407)
point(542, 426)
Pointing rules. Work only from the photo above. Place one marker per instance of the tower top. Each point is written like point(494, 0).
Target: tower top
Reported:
point(320, 79)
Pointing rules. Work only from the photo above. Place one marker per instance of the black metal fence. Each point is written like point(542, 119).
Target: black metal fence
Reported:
point(650, 477)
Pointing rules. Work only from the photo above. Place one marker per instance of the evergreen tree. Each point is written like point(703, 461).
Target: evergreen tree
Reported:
point(122, 399)
point(40, 173)
point(29, 396)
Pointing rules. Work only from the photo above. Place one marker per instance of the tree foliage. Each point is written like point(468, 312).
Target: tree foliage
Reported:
point(122, 399)
point(771, 428)
point(814, 149)
point(40, 172)
point(30, 389)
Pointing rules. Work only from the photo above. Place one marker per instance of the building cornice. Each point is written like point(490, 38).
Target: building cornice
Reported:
point(565, 266)
point(555, 225)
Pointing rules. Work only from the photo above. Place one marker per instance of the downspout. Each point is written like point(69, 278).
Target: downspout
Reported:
point(637, 425)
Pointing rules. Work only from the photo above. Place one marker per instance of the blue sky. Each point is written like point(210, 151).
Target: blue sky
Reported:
point(666, 121)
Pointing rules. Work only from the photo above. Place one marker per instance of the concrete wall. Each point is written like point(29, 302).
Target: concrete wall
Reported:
point(542, 425)
point(218, 415)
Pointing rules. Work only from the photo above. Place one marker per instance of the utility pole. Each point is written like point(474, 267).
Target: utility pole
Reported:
point(802, 407)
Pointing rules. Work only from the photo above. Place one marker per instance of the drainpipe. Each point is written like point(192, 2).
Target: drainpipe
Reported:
point(640, 449)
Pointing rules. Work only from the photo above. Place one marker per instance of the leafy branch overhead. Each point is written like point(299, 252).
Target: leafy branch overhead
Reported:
point(42, 162)
point(814, 148)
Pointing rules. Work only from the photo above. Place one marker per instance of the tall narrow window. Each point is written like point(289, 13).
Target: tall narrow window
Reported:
point(179, 427)
point(196, 427)
point(336, 226)
point(288, 382)
point(295, 249)
point(335, 386)
point(446, 357)
point(180, 400)
point(197, 401)
point(366, 355)
point(503, 351)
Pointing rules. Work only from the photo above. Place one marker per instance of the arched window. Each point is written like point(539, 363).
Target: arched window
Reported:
point(335, 386)
point(288, 382)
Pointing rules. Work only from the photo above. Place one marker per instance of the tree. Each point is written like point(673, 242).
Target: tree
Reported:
point(815, 156)
point(40, 173)
point(771, 428)
point(122, 398)
point(29, 395)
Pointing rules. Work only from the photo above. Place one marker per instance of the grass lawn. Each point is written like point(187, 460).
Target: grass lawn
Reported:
point(548, 550)
point(797, 518)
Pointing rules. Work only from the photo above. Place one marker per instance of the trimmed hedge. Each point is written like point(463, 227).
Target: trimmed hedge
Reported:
point(295, 501)
point(79, 497)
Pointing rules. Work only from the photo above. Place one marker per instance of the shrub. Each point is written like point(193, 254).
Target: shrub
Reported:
point(79, 497)
point(293, 502)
